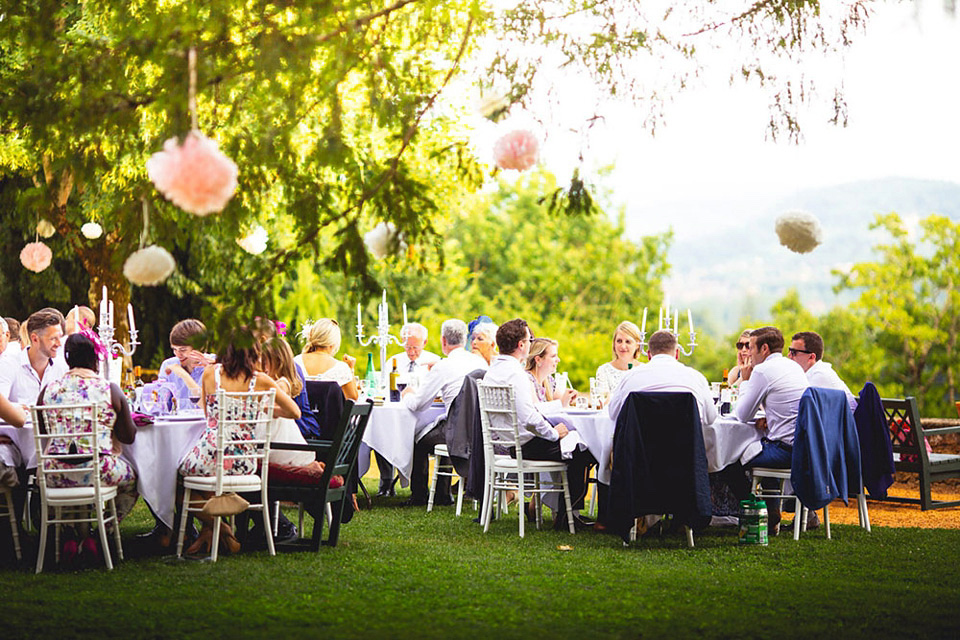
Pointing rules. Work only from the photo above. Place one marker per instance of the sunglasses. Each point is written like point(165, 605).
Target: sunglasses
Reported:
point(794, 352)
point(743, 345)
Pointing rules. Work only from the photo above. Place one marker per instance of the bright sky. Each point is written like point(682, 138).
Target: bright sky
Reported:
point(903, 102)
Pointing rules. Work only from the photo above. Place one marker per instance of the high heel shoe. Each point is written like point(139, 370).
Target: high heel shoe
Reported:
point(203, 542)
point(228, 540)
point(69, 553)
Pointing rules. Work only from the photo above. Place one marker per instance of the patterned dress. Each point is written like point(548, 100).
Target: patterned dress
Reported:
point(608, 376)
point(202, 459)
point(114, 470)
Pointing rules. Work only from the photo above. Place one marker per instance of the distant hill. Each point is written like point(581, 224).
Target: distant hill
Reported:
point(730, 272)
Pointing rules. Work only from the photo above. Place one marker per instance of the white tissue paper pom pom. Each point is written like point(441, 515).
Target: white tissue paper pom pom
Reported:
point(379, 239)
point(45, 229)
point(799, 231)
point(255, 242)
point(91, 230)
point(149, 266)
point(36, 256)
point(196, 176)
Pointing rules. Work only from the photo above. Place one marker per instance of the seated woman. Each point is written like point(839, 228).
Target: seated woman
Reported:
point(318, 361)
point(626, 348)
point(743, 356)
point(236, 370)
point(277, 360)
point(82, 384)
point(182, 372)
point(541, 364)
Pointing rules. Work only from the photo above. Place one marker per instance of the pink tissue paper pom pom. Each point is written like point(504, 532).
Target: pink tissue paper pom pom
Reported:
point(195, 176)
point(36, 256)
point(518, 150)
point(799, 231)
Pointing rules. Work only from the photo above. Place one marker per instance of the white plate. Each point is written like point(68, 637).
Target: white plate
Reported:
point(582, 412)
point(179, 417)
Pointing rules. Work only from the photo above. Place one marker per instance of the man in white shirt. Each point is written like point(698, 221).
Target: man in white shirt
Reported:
point(777, 383)
point(664, 372)
point(444, 379)
point(806, 349)
point(13, 338)
point(539, 440)
point(414, 359)
point(21, 378)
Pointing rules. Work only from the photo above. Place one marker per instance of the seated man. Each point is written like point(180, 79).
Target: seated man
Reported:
point(777, 383)
point(182, 372)
point(806, 349)
point(414, 360)
point(444, 379)
point(539, 439)
point(664, 372)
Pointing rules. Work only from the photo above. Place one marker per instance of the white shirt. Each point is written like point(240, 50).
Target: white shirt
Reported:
point(664, 373)
point(507, 371)
point(777, 383)
point(19, 381)
point(340, 372)
point(13, 349)
point(821, 374)
point(444, 379)
point(419, 365)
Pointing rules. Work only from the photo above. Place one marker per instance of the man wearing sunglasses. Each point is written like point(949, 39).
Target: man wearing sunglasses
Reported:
point(806, 349)
point(777, 383)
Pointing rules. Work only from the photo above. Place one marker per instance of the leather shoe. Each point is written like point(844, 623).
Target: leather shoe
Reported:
point(579, 524)
point(414, 502)
point(813, 522)
point(442, 501)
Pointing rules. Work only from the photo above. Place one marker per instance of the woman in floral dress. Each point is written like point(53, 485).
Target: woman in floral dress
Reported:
point(80, 385)
point(236, 371)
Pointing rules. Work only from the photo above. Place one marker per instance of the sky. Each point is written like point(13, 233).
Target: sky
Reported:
point(713, 152)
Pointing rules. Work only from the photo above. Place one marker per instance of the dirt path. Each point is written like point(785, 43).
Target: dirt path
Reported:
point(892, 514)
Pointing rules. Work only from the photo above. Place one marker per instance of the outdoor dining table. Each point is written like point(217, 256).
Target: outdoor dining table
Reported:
point(390, 432)
point(155, 455)
point(25, 454)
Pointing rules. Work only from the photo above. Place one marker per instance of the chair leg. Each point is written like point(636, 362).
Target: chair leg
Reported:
point(521, 489)
point(327, 513)
point(864, 513)
point(460, 484)
point(14, 529)
point(487, 512)
point(57, 516)
point(566, 499)
point(215, 543)
point(267, 528)
point(689, 536)
point(104, 541)
point(184, 516)
point(41, 550)
point(826, 519)
point(116, 529)
point(433, 481)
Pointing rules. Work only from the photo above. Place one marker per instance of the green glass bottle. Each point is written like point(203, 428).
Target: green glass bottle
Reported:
point(370, 381)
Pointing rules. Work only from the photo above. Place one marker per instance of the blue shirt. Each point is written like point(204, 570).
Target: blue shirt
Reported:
point(307, 422)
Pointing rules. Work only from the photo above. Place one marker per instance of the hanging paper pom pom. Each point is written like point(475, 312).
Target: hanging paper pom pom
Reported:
point(518, 150)
point(149, 266)
point(45, 229)
point(255, 242)
point(380, 239)
point(195, 176)
point(91, 230)
point(36, 256)
point(799, 231)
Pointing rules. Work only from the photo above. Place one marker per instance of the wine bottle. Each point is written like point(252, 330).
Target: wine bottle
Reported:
point(370, 381)
point(394, 390)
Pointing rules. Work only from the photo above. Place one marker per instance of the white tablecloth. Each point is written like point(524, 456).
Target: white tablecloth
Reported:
point(390, 433)
point(728, 440)
point(156, 454)
point(596, 430)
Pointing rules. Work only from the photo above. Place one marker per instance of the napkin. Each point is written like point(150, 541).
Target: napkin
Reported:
point(142, 419)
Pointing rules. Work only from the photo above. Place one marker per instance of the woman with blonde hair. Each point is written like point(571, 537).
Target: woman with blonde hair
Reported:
point(318, 361)
point(743, 357)
point(541, 364)
point(626, 348)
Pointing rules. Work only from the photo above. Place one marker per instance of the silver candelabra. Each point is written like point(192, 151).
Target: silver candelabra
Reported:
point(383, 336)
point(106, 330)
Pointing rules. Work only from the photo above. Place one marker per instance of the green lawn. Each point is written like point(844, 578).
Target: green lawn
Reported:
point(402, 573)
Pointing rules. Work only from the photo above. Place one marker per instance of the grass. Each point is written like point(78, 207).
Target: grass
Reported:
point(402, 573)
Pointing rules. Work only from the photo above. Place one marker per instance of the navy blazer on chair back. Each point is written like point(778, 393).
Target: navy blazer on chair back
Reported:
point(327, 402)
point(659, 461)
point(876, 451)
point(826, 450)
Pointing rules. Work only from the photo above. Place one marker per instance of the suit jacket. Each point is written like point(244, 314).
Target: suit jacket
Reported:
point(659, 461)
point(462, 431)
point(876, 450)
point(326, 400)
point(826, 450)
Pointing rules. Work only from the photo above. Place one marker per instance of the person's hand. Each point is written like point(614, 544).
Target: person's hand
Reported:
point(430, 365)
point(180, 372)
point(350, 360)
point(742, 358)
point(746, 370)
point(562, 431)
point(762, 424)
point(406, 391)
point(568, 397)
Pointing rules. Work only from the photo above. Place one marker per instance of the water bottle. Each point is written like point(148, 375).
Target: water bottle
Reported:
point(370, 381)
